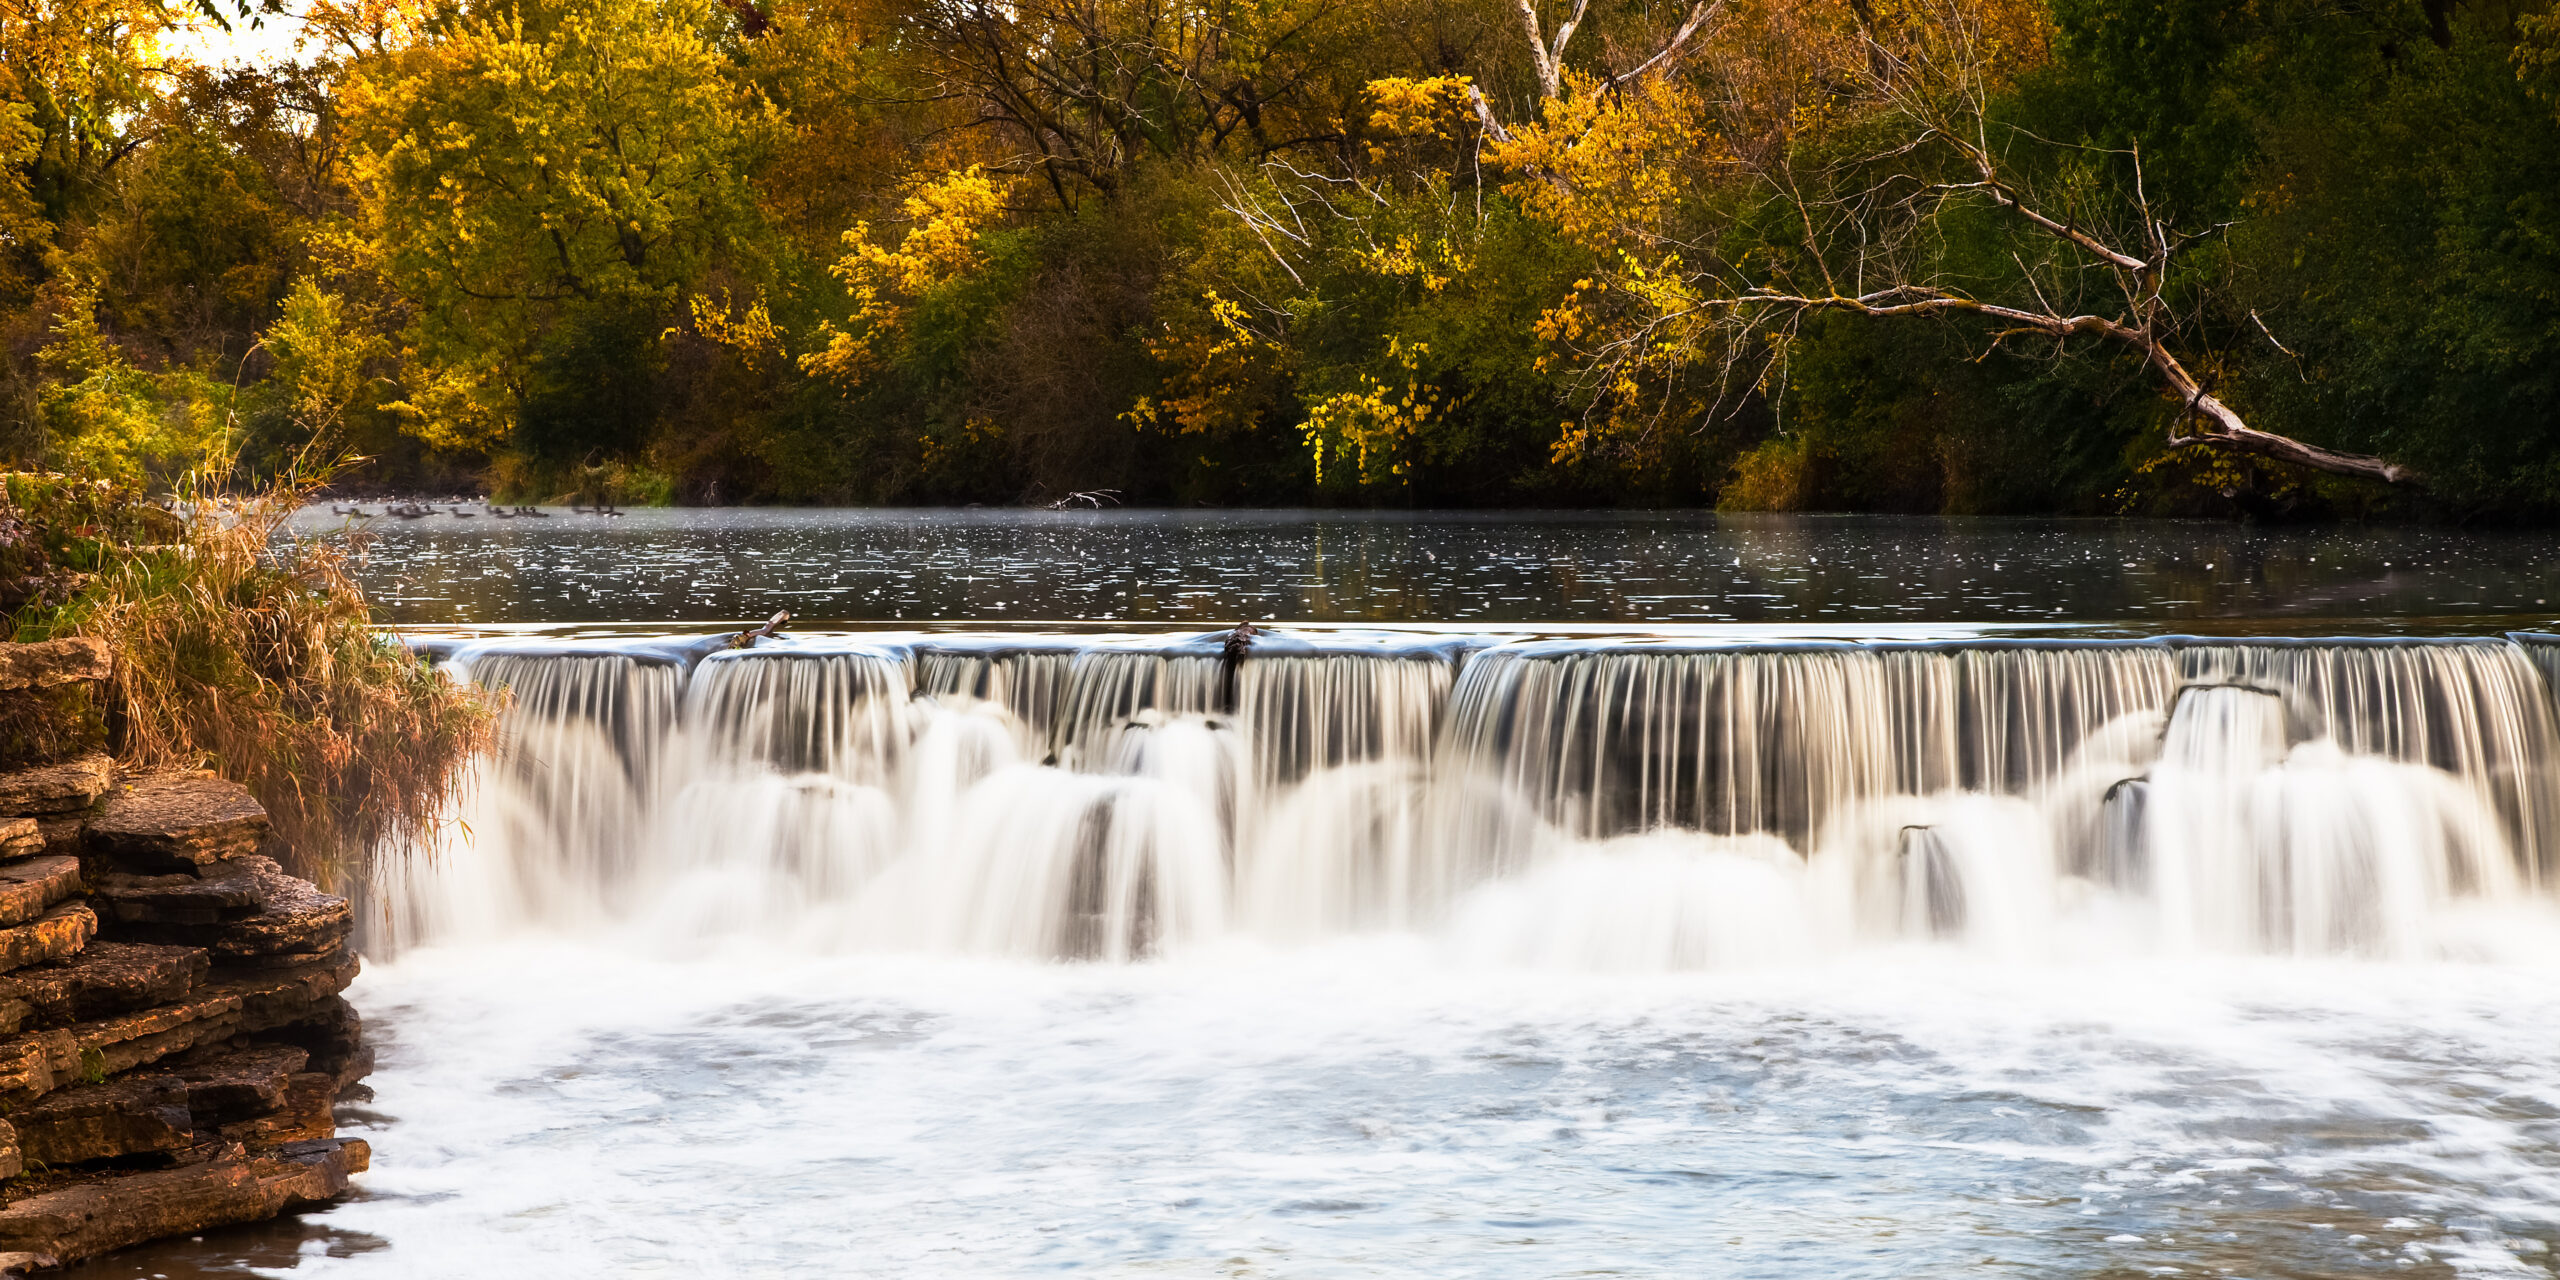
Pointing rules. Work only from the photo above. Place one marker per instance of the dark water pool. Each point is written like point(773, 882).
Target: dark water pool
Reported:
point(997, 566)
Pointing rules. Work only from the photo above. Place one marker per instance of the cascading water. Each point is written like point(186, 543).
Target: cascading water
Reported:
point(1397, 944)
point(1549, 804)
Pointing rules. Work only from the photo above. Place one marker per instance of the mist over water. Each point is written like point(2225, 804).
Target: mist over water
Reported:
point(1467, 951)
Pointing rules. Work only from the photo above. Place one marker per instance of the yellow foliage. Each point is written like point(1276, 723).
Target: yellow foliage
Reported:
point(462, 405)
point(1611, 169)
point(946, 217)
point(1425, 108)
point(752, 334)
point(954, 453)
point(511, 160)
point(321, 356)
point(1214, 381)
point(1370, 425)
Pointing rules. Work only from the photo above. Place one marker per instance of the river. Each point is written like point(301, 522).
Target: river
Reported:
point(1576, 894)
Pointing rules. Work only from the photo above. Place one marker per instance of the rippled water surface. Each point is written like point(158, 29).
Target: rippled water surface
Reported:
point(672, 565)
point(1368, 1112)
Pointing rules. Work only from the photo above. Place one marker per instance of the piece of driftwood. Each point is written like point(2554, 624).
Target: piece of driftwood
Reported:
point(1231, 655)
point(772, 627)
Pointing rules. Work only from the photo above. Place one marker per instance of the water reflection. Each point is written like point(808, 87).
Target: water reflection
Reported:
point(254, 1249)
point(695, 565)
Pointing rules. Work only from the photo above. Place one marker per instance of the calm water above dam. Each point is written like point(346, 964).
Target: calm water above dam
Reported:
point(668, 566)
point(1545, 903)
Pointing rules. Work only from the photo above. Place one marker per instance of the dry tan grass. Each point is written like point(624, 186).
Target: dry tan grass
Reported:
point(250, 651)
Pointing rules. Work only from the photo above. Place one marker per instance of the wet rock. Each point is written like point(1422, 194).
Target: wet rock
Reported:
point(28, 887)
point(104, 979)
point(293, 918)
point(334, 1035)
point(55, 788)
point(305, 1112)
point(139, 1115)
point(34, 1063)
point(20, 837)
point(92, 1218)
point(48, 663)
point(227, 889)
point(51, 936)
point(178, 822)
point(240, 1086)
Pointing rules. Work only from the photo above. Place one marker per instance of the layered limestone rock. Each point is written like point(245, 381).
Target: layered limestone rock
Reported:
point(172, 1038)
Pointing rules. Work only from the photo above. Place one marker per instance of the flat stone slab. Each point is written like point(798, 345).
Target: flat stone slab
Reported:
point(35, 1063)
point(308, 1111)
point(259, 1095)
point(56, 788)
point(138, 1115)
point(63, 832)
point(177, 821)
point(27, 888)
point(51, 936)
point(20, 837)
point(239, 1086)
point(293, 918)
point(47, 663)
point(226, 890)
point(104, 979)
point(91, 1218)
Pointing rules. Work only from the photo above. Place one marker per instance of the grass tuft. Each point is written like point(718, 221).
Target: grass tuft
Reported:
point(247, 649)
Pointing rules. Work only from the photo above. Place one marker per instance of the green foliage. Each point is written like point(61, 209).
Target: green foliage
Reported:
point(1266, 251)
point(110, 419)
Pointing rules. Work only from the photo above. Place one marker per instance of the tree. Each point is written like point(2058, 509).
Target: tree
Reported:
point(1928, 206)
point(519, 167)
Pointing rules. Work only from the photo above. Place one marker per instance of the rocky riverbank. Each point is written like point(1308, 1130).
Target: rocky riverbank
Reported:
point(172, 1037)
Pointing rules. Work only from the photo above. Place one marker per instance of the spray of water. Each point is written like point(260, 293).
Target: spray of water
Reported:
point(1548, 805)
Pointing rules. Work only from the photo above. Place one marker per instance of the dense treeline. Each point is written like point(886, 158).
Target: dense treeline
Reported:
point(2089, 256)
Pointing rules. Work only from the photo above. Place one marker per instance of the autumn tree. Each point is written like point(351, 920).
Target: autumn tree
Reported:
point(546, 173)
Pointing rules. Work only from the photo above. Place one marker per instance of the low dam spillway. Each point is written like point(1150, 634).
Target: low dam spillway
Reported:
point(1392, 953)
point(1570, 893)
point(1640, 805)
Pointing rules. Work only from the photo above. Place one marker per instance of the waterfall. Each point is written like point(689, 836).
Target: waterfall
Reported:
point(1632, 805)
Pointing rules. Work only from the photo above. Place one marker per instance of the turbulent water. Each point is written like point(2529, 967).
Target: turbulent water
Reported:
point(1371, 954)
point(1463, 950)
